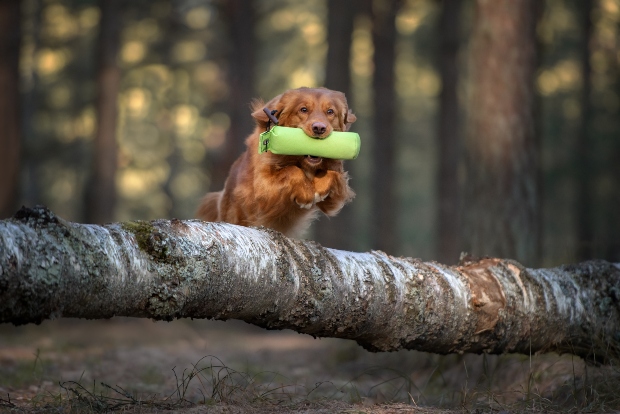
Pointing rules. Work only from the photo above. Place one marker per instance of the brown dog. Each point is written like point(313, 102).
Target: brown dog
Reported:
point(286, 192)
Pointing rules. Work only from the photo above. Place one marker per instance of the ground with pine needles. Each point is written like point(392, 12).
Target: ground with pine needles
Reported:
point(136, 365)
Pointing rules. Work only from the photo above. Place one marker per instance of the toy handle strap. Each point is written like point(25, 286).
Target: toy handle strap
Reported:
point(270, 115)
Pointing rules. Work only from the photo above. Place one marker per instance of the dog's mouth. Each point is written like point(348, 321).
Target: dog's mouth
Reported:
point(312, 160)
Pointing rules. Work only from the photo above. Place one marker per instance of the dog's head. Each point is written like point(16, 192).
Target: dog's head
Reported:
point(318, 111)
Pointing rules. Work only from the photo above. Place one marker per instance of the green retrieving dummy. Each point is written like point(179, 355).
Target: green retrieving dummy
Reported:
point(293, 141)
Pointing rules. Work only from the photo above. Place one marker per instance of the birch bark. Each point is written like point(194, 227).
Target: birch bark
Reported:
point(167, 269)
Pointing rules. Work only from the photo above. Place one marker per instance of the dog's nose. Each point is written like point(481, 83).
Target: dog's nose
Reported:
point(319, 128)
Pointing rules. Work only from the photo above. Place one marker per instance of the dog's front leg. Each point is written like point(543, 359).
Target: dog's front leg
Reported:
point(304, 195)
point(333, 191)
point(292, 185)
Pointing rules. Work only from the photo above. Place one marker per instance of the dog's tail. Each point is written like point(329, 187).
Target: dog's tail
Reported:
point(209, 209)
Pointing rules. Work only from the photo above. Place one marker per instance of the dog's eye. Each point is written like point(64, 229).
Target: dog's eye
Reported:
point(304, 109)
point(330, 111)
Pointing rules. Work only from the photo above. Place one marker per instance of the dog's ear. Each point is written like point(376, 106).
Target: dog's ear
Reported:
point(349, 118)
point(343, 108)
point(257, 110)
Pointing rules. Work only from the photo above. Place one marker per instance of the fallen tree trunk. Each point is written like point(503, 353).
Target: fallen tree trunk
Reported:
point(167, 269)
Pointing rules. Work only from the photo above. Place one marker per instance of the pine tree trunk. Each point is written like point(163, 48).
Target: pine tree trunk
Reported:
point(10, 129)
point(167, 269)
point(240, 17)
point(448, 192)
point(338, 232)
point(101, 193)
point(384, 205)
point(584, 222)
point(502, 205)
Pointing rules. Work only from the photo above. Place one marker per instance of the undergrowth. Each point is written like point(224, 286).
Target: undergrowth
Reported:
point(210, 382)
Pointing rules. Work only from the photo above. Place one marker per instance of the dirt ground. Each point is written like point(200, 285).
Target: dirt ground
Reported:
point(215, 366)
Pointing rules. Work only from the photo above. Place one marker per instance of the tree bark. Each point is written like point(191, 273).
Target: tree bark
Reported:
point(449, 139)
point(501, 201)
point(338, 232)
point(167, 269)
point(10, 129)
point(101, 194)
point(384, 204)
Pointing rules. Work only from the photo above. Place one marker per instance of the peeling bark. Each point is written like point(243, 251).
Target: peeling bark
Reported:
point(167, 269)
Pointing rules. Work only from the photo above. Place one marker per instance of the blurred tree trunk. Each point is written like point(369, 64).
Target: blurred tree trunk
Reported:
point(176, 32)
point(448, 192)
point(174, 161)
point(101, 193)
point(167, 269)
point(31, 100)
point(584, 223)
point(10, 128)
point(338, 232)
point(502, 205)
point(240, 18)
point(613, 242)
point(384, 201)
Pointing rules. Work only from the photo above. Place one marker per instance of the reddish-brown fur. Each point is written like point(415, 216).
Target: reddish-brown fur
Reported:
point(280, 191)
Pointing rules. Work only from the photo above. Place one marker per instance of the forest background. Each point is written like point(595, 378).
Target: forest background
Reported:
point(131, 110)
point(171, 82)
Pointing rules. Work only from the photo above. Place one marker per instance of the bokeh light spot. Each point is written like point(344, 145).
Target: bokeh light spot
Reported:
point(198, 18)
point(133, 51)
point(50, 61)
point(189, 51)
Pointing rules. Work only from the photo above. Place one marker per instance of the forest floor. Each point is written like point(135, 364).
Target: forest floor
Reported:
point(136, 365)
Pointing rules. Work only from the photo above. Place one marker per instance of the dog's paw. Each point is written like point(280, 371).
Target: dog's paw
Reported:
point(311, 203)
point(318, 197)
point(305, 206)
